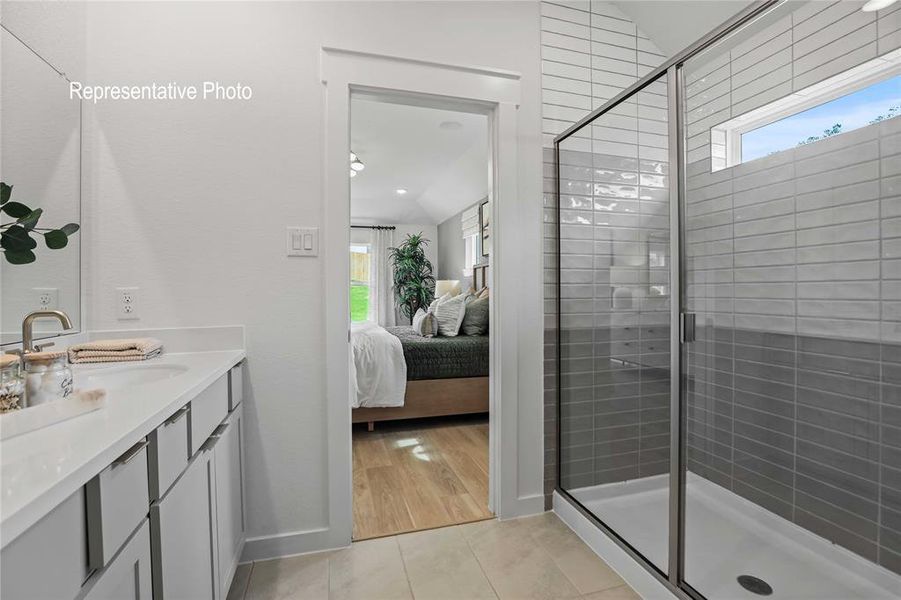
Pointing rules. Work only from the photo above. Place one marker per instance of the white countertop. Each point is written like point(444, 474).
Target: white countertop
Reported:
point(38, 470)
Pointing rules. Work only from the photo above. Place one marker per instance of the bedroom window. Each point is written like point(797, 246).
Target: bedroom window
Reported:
point(861, 96)
point(360, 261)
point(470, 254)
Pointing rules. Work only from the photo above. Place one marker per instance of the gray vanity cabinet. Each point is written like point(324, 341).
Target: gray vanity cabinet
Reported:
point(127, 577)
point(50, 560)
point(183, 541)
point(228, 459)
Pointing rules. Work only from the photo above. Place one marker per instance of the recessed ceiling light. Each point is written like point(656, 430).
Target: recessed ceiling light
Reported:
point(451, 125)
point(400, 191)
point(874, 5)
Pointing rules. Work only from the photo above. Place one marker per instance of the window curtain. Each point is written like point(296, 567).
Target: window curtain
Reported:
point(381, 279)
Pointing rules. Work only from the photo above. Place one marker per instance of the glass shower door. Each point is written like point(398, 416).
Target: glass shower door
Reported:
point(614, 353)
point(791, 241)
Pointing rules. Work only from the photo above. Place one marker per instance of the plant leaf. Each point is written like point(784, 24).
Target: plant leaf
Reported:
point(16, 210)
point(69, 228)
point(17, 239)
point(5, 192)
point(21, 257)
point(56, 239)
point(29, 221)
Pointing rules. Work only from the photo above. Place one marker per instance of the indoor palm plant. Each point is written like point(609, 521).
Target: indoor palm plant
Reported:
point(414, 284)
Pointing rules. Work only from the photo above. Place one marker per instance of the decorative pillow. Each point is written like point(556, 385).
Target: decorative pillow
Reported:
point(475, 317)
point(424, 323)
point(438, 301)
point(483, 293)
point(449, 315)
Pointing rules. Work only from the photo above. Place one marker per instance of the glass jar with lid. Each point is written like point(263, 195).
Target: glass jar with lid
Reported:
point(47, 377)
point(12, 384)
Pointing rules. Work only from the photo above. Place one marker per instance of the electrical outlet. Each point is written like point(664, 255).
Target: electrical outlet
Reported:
point(127, 303)
point(46, 298)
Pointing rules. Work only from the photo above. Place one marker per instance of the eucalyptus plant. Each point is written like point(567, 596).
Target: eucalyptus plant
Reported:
point(17, 237)
point(414, 284)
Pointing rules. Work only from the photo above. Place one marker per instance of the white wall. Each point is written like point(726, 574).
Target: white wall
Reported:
point(451, 250)
point(190, 200)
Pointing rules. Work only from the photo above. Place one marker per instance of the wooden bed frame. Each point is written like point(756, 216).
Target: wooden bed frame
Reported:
point(432, 398)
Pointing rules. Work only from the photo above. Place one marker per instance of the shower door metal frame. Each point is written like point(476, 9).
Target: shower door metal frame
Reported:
point(673, 579)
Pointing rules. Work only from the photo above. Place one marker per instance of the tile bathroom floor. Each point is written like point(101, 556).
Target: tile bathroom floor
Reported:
point(533, 557)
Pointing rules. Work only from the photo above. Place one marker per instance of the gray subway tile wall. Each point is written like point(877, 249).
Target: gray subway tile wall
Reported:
point(590, 52)
point(792, 268)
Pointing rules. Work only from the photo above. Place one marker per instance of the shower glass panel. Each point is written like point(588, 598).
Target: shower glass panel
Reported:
point(792, 266)
point(614, 320)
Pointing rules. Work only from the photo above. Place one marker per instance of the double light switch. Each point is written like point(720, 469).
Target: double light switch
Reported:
point(303, 241)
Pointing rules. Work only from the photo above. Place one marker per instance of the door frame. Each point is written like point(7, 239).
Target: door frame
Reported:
point(516, 379)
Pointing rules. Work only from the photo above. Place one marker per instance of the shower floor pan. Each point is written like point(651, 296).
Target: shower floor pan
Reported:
point(727, 536)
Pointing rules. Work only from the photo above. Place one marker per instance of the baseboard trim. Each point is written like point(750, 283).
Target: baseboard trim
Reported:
point(289, 544)
point(524, 506)
point(635, 574)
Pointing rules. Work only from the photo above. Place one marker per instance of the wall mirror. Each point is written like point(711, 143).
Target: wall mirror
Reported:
point(40, 156)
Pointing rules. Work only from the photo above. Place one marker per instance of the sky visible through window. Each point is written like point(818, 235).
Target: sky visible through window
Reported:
point(853, 111)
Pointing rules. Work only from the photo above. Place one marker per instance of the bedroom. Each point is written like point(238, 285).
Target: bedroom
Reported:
point(420, 242)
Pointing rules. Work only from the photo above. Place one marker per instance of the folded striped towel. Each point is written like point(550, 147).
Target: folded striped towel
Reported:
point(124, 350)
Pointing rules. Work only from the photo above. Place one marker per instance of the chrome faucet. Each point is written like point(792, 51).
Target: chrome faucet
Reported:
point(30, 318)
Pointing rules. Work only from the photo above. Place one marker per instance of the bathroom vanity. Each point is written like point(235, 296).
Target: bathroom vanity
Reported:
point(142, 498)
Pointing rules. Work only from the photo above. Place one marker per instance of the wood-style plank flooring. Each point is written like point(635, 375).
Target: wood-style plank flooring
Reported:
point(422, 474)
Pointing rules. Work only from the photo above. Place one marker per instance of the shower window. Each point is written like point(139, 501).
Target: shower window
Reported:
point(861, 96)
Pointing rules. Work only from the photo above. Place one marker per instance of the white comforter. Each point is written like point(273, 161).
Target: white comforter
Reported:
point(379, 373)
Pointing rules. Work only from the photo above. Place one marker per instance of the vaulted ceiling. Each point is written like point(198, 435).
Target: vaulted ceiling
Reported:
point(673, 26)
point(439, 157)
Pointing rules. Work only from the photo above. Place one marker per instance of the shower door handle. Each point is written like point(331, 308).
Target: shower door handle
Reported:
point(687, 327)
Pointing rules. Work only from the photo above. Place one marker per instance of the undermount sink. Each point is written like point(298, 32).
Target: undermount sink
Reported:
point(126, 375)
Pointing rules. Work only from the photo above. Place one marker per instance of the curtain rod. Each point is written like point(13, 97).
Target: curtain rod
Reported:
point(373, 227)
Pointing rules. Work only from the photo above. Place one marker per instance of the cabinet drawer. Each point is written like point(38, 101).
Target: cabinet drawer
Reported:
point(235, 386)
point(168, 452)
point(127, 577)
point(207, 411)
point(117, 500)
point(50, 559)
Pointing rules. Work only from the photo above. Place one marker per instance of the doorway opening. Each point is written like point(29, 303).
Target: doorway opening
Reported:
point(420, 287)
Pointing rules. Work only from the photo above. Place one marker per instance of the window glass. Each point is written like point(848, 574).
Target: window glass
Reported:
point(360, 262)
point(858, 109)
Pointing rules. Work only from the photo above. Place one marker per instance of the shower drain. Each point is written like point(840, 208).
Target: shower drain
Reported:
point(755, 585)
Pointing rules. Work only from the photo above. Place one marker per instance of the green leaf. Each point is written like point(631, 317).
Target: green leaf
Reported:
point(56, 239)
point(69, 228)
point(16, 210)
point(22, 257)
point(5, 192)
point(29, 221)
point(17, 239)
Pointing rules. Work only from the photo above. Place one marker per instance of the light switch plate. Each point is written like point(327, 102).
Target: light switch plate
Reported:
point(302, 241)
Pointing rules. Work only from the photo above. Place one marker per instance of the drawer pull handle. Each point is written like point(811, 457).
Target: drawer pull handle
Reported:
point(214, 437)
point(178, 415)
point(130, 453)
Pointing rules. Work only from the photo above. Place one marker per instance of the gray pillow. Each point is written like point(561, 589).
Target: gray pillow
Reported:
point(475, 319)
point(449, 315)
point(424, 323)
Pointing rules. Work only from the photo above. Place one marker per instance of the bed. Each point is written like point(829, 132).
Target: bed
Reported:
point(445, 376)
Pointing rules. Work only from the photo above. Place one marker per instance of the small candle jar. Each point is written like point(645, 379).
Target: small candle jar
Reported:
point(47, 377)
point(12, 384)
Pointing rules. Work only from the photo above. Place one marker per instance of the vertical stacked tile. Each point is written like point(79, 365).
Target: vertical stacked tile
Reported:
point(591, 52)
